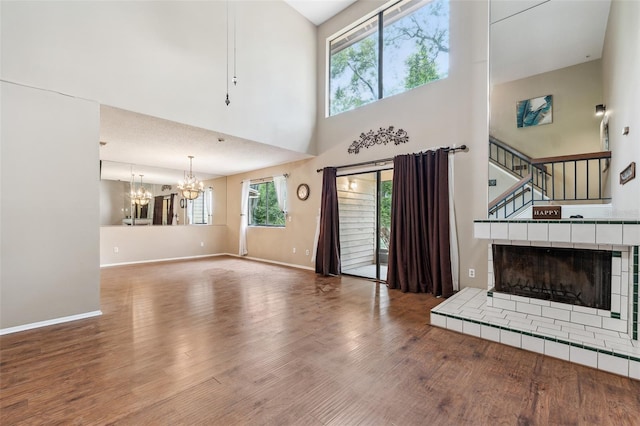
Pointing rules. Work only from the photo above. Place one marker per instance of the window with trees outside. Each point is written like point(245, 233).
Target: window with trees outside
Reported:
point(263, 205)
point(403, 46)
point(199, 211)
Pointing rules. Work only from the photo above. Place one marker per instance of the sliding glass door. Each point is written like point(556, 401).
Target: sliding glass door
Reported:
point(364, 204)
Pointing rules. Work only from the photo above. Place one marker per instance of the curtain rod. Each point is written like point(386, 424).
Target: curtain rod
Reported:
point(386, 160)
point(266, 178)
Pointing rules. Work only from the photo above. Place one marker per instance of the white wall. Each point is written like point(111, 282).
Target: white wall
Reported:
point(113, 202)
point(168, 59)
point(277, 244)
point(575, 129)
point(443, 113)
point(49, 244)
point(150, 243)
point(621, 68)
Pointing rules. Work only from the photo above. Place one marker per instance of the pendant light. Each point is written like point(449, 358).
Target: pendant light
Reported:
point(141, 196)
point(190, 187)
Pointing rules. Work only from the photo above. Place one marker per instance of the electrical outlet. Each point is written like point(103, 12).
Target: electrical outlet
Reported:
point(306, 252)
point(116, 249)
point(472, 273)
point(201, 243)
point(294, 250)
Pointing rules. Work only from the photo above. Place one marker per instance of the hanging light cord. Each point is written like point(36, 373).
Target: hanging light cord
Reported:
point(235, 78)
point(227, 101)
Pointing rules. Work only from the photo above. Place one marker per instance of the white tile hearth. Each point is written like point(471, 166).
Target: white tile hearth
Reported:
point(603, 339)
point(588, 344)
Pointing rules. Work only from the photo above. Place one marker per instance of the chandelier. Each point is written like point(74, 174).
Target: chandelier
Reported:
point(190, 187)
point(141, 196)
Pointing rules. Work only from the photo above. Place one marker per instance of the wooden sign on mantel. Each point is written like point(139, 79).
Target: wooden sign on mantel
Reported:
point(547, 212)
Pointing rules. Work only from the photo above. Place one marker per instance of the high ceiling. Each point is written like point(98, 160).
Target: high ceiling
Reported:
point(318, 11)
point(529, 37)
point(157, 148)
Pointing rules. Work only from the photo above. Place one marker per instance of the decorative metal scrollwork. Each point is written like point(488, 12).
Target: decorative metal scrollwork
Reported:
point(381, 137)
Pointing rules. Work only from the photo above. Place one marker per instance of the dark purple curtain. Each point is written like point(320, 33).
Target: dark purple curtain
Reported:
point(419, 257)
point(172, 199)
point(328, 251)
point(157, 210)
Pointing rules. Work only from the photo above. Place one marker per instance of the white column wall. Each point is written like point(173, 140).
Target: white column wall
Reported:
point(50, 208)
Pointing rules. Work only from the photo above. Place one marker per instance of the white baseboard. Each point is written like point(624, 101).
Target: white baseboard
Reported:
point(49, 322)
point(291, 265)
point(106, 265)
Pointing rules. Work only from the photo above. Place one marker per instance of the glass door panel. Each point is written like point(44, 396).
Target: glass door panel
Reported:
point(364, 223)
point(385, 181)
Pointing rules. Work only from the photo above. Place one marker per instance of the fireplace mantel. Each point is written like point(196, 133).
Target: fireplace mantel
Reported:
point(571, 231)
point(602, 339)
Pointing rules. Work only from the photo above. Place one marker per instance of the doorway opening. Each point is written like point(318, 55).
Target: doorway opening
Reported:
point(364, 206)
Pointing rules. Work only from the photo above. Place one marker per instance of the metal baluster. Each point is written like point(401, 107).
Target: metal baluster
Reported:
point(600, 178)
point(588, 177)
point(553, 181)
point(575, 180)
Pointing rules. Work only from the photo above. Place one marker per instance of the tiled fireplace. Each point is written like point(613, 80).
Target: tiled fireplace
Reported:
point(605, 339)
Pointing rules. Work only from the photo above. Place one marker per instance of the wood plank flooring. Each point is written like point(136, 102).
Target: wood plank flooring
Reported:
point(227, 341)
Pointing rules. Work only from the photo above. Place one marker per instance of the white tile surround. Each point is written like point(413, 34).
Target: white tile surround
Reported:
point(606, 340)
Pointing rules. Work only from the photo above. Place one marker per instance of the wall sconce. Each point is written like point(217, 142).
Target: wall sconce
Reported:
point(600, 109)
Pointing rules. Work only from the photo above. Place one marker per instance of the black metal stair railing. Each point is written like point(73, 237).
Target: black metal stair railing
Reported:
point(578, 177)
point(516, 163)
point(564, 179)
point(513, 200)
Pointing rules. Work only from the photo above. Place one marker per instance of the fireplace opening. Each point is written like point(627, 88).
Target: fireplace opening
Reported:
point(564, 275)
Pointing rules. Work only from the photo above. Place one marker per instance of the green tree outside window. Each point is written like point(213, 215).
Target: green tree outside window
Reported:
point(415, 51)
point(263, 206)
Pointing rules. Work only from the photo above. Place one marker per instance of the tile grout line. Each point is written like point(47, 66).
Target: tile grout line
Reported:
point(611, 352)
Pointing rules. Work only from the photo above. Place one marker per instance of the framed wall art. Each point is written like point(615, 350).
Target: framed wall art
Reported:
point(534, 111)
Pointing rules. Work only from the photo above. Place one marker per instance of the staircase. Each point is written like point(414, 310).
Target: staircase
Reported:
point(551, 180)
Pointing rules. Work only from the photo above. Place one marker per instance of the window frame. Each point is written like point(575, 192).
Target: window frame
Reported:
point(250, 212)
point(191, 213)
point(379, 15)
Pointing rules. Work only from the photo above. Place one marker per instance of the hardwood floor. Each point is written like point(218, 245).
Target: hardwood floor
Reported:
point(229, 341)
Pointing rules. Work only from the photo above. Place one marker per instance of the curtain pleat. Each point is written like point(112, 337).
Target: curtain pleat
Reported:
point(173, 215)
point(419, 251)
point(208, 198)
point(453, 228)
point(157, 210)
point(328, 250)
point(280, 185)
point(189, 212)
point(244, 218)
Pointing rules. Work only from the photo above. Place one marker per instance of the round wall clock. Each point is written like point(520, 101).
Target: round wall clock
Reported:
point(303, 191)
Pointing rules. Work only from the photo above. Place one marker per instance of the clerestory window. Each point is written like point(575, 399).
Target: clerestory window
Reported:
point(403, 46)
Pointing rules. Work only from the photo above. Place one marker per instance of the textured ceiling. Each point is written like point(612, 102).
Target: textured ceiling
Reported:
point(148, 144)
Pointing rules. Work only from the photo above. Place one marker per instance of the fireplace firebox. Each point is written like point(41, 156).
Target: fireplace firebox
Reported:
point(564, 275)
